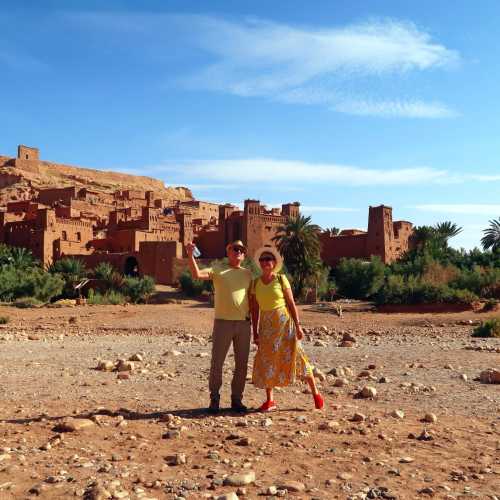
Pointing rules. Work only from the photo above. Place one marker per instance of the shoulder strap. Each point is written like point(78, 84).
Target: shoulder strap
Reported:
point(280, 277)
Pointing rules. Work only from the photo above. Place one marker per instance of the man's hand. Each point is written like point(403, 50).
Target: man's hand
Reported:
point(299, 333)
point(189, 249)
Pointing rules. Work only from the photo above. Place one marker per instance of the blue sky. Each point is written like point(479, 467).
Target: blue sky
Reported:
point(337, 104)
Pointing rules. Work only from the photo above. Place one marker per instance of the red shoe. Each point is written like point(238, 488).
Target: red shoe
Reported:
point(269, 405)
point(319, 402)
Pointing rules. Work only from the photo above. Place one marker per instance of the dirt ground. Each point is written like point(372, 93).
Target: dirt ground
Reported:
point(148, 436)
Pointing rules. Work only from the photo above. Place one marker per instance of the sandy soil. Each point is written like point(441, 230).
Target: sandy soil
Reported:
point(430, 364)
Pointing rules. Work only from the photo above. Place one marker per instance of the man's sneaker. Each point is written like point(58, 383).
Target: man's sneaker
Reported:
point(214, 407)
point(237, 405)
point(269, 405)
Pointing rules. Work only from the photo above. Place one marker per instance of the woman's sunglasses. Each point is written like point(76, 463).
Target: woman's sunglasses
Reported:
point(238, 250)
point(266, 259)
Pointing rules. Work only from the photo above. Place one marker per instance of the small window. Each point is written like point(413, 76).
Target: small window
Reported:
point(64, 236)
point(79, 236)
point(27, 157)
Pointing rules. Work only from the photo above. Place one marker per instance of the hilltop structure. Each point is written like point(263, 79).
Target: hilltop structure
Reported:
point(136, 230)
point(140, 226)
point(385, 238)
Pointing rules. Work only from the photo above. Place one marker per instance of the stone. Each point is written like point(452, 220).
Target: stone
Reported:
point(341, 382)
point(320, 343)
point(172, 352)
point(272, 490)
point(331, 424)
point(177, 459)
point(430, 418)
point(105, 365)
point(319, 374)
point(240, 479)
point(228, 496)
point(267, 422)
point(346, 343)
point(490, 376)
point(245, 441)
point(292, 486)
point(74, 424)
point(123, 376)
point(4, 457)
point(358, 417)
point(406, 460)
point(347, 337)
point(398, 414)
point(425, 436)
point(125, 366)
point(136, 357)
point(97, 492)
point(367, 392)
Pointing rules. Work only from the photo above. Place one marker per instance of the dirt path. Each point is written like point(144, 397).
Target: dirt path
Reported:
point(418, 364)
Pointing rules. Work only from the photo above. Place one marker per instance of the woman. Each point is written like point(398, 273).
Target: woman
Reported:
point(277, 332)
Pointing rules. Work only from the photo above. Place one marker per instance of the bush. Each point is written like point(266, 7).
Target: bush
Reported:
point(109, 298)
point(191, 287)
point(4, 320)
point(35, 282)
point(413, 290)
point(27, 302)
point(138, 289)
point(72, 271)
point(111, 278)
point(358, 279)
point(488, 328)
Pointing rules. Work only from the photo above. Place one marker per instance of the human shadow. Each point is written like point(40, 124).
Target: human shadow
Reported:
point(127, 414)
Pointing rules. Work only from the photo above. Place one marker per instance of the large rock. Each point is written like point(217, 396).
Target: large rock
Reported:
point(367, 392)
point(74, 424)
point(490, 376)
point(241, 479)
point(292, 486)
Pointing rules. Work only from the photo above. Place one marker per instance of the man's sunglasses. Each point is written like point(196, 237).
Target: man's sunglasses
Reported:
point(238, 250)
point(266, 259)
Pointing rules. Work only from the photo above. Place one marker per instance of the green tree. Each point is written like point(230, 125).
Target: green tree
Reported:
point(491, 238)
point(359, 279)
point(298, 242)
point(72, 271)
point(447, 230)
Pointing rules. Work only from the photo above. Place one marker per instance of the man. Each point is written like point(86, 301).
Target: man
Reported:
point(231, 324)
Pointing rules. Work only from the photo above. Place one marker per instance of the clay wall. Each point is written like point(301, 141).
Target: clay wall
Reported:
point(9, 179)
point(53, 195)
point(334, 248)
point(27, 153)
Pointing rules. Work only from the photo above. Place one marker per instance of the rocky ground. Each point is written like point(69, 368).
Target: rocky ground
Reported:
point(427, 428)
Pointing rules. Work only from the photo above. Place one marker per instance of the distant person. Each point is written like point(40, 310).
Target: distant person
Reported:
point(231, 324)
point(280, 359)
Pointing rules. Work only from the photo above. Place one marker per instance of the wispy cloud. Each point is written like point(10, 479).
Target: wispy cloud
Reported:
point(312, 65)
point(295, 172)
point(312, 209)
point(466, 208)
point(294, 64)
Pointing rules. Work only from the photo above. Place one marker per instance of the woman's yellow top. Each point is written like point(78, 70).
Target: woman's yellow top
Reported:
point(271, 296)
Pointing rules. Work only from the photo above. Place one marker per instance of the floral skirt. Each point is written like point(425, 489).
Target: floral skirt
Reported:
point(280, 359)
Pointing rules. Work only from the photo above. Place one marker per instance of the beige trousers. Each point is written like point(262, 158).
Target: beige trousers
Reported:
point(224, 333)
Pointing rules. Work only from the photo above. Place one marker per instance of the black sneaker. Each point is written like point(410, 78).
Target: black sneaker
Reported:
point(238, 406)
point(214, 407)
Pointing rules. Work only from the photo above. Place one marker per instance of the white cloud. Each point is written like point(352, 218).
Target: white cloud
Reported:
point(268, 170)
point(471, 209)
point(311, 66)
point(293, 64)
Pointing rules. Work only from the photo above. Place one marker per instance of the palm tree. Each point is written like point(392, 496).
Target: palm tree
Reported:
point(298, 242)
point(72, 271)
point(422, 235)
point(334, 231)
point(21, 258)
point(491, 238)
point(447, 230)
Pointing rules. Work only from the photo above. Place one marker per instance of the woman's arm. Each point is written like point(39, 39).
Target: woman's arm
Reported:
point(255, 313)
point(294, 313)
point(196, 273)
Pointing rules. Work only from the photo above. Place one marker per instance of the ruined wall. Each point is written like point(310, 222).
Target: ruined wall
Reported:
point(334, 248)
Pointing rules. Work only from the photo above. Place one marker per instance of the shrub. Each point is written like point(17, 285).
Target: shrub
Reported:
point(358, 279)
point(35, 282)
point(138, 289)
point(72, 271)
point(109, 298)
point(4, 320)
point(27, 302)
point(490, 305)
point(112, 279)
point(191, 287)
point(488, 328)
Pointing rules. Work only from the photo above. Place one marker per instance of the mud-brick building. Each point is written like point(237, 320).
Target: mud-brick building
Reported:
point(255, 225)
point(386, 238)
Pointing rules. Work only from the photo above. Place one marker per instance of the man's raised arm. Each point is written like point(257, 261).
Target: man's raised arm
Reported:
point(193, 265)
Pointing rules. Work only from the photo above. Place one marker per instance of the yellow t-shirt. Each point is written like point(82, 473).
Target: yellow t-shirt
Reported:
point(271, 296)
point(231, 287)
